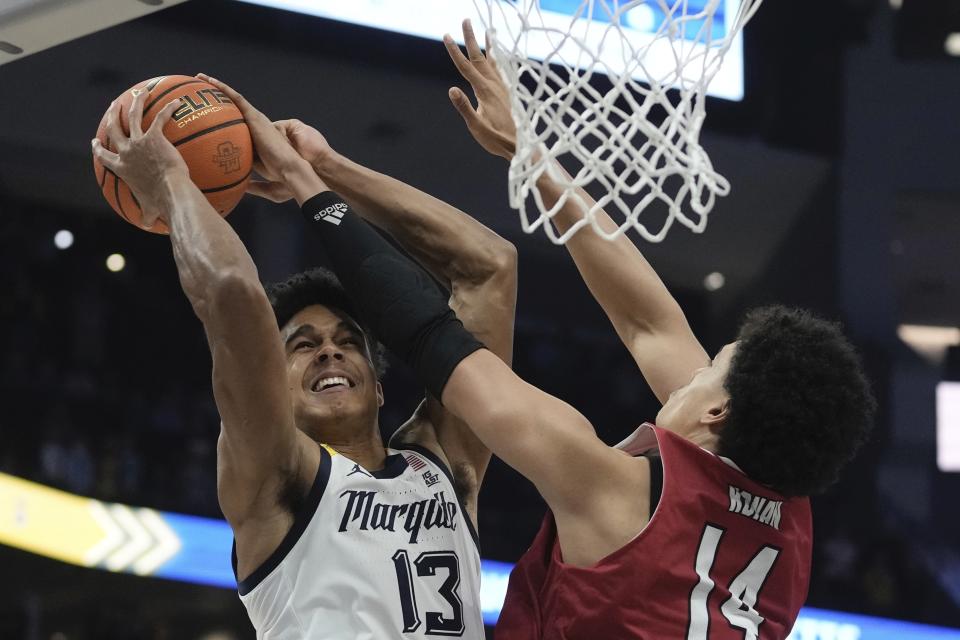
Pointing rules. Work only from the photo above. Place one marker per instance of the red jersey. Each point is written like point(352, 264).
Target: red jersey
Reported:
point(722, 558)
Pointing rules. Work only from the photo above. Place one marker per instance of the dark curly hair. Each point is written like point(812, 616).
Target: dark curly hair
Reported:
point(800, 404)
point(320, 286)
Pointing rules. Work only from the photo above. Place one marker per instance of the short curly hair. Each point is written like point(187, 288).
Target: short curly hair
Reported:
point(800, 403)
point(320, 286)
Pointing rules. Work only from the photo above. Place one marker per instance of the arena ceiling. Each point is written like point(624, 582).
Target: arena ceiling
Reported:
point(381, 99)
point(398, 122)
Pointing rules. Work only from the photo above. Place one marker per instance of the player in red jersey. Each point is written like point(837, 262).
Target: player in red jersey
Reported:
point(709, 539)
point(724, 550)
point(703, 549)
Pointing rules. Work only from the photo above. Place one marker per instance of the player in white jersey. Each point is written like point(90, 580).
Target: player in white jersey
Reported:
point(336, 536)
point(372, 554)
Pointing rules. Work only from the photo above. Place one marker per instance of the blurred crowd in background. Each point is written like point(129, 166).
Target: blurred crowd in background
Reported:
point(105, 389)
point(844, 201)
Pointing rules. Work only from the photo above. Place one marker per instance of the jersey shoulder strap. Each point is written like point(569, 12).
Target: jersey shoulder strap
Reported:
point(418, 450)
point(302, 519)
point(656, 480)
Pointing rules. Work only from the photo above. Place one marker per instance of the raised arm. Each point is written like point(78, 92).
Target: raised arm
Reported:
point(644, 313)
point(258, 441)
point(477, 266)
point(582, 479)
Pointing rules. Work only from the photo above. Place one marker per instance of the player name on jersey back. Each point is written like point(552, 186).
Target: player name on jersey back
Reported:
point(763, 510)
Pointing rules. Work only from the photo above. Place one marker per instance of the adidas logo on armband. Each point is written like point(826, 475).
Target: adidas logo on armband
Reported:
point(333, 213)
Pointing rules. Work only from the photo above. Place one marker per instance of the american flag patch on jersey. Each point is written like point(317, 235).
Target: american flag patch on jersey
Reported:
point(415, 462)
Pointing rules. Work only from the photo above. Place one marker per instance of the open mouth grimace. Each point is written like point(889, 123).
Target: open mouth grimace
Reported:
point(328, 382)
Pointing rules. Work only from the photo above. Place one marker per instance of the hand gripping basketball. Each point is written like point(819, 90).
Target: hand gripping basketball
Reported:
point(312, 147)
point(274, 155)
point(206, 129)
point(286, 151)
point(142, 157)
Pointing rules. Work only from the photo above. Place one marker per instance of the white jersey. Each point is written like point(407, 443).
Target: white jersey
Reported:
point(372, 556)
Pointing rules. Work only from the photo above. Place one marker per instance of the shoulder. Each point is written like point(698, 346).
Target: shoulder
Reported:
point(611, 510)
point(626, 479)
point(458, 474)
point(419, 433)
point(419, 436)
point(282, 491)
point(265, 534)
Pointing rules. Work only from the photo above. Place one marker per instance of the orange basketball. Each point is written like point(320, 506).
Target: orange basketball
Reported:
point(208, 131)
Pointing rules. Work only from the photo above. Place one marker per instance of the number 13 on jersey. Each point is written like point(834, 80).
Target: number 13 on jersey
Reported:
point(427, 564)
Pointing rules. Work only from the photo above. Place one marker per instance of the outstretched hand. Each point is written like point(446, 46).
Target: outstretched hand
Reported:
point(491, 123)
point(141, 159)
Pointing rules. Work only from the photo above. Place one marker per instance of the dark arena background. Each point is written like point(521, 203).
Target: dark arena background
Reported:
point(844, 158)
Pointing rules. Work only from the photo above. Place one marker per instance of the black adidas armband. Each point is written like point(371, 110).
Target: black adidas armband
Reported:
point(400, 303)
point(326, 206)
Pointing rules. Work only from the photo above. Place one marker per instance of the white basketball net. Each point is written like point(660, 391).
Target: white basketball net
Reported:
point(634, 145)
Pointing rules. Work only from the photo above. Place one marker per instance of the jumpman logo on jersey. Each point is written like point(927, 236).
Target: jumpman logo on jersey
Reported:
point(358, 469)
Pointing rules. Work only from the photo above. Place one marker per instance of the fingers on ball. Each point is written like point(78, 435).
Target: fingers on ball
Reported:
point(135, 113)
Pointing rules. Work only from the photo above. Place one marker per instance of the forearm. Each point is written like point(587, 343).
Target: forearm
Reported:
point(527, 428)
point(399, 302)
point(447, 242)
point(619, 277)
point(206, 249)
point(647, 318)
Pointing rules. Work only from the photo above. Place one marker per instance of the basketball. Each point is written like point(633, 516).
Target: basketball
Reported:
point(208, 131)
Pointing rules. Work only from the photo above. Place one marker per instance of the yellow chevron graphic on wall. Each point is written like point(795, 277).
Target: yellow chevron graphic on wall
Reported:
point(83, 531)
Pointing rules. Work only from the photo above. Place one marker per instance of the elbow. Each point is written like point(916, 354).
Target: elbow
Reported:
point(491, 280)
point(498, 263)
point(503, 274)
point(505, 257)
point(232, 292)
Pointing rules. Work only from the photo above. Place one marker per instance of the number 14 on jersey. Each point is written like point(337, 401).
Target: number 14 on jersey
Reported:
point(740, 608)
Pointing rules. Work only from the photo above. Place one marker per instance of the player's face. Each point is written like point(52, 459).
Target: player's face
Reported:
point(330, 371)
point(702, 402)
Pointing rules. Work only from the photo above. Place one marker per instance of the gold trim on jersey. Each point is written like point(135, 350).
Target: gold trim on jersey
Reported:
point(330, 450)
